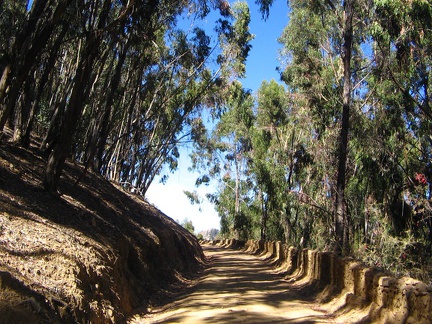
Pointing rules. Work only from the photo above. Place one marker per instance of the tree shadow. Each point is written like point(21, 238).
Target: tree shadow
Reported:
point(237, 287)
point(151, 252)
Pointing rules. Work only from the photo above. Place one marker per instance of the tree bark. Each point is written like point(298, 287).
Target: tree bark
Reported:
point(27, 50)
point(264, 216)
point(341, 214)
point(103, 132)
point(74, 109)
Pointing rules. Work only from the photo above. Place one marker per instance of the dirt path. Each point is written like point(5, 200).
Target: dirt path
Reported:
point(238, 287)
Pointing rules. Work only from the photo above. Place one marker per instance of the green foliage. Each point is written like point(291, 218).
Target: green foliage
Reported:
point(193, 197)
point(235, 41)
point(119, 87)
point(188, 225)
point(287, 144)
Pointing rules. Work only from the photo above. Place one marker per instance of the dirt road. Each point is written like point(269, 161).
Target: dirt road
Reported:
point(238, 287)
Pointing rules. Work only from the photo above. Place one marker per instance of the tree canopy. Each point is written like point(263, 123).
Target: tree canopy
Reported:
point(336, 155)
point(115, 85)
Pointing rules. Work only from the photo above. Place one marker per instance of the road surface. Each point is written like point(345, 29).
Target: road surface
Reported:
point(238, 287)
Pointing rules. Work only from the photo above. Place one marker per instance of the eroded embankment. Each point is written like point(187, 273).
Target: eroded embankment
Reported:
point(91, 255)
point(346, 288)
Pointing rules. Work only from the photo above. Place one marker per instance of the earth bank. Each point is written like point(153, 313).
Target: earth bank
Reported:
point(93, 254)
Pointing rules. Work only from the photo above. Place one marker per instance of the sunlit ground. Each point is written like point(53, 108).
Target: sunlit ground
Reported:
point(237, 288)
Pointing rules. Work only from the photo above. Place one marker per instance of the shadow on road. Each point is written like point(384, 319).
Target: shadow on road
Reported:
point(237, 287)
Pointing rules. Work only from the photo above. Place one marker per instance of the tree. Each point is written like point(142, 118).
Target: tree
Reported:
point(188, 225)
point(117, 86)
point(22, 54)
point(267, 154)
point(332, 38)
point(341, 213)
point(223, 155)
point(400, 79)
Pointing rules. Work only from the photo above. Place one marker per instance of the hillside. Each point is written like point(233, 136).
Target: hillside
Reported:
point(94, 253)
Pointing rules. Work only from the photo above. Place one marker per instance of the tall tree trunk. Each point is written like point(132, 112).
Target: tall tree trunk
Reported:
point(22, 115)
point(237, 194)
point(74, 109)
point(341, 215)
point(286, 225)
point(26, 52)
point(35, 106)
point(264, 216)
point(104, 129)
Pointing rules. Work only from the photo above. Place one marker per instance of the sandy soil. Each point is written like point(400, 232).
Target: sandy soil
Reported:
point(238, 287)
point(92, 254)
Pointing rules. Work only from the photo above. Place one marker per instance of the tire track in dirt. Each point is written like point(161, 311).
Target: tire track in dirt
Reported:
point(237, 287)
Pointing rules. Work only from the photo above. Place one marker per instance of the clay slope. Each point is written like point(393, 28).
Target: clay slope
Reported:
point(94, 254)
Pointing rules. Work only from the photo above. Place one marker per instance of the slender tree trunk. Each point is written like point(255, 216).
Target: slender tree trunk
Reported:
point(237, 194)
point(341, 215)
point(264, 216)
point(49, 66)
point(22, 115)
point(103, 133)
point(286, 224)
point(73, 112)
point(27, 49)
point(3, 103)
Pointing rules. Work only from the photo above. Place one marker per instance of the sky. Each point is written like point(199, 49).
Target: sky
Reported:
point(260, 66)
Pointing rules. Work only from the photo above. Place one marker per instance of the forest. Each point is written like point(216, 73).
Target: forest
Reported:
point(334, 156)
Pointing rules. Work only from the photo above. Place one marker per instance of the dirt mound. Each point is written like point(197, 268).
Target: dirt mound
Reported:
point(95, 253)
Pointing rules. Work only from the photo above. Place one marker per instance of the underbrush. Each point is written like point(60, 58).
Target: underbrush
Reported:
point(403, 256)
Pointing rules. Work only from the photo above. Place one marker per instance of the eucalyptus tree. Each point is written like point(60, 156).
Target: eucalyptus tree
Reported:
point(322, 66)
point(265, 159)
point(222, 153)
point(25, 46)
point(179, 85)
point(162, 103)
point(234, 126)
point(278, 160)
point(12, 15)
point(91, 25)
point(223, 156)
point(401, 74)
point(115, 85)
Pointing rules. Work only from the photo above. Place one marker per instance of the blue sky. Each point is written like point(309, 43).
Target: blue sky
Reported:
point(261, 66)
point(263, 58)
